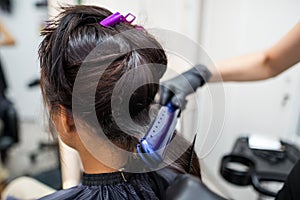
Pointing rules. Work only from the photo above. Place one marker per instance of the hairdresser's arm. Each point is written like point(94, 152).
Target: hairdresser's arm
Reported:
point(5, 37)
point(265, 64)
point(252, 67)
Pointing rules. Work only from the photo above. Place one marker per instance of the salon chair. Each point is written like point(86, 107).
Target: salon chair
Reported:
point(9, 134)
point(188, 187)
point(9, 123)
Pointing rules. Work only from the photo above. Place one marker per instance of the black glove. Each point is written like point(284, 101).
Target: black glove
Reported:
point(177, 89)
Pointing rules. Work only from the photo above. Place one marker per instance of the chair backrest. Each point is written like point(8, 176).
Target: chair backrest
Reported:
point(10, 132)
point(187, 186)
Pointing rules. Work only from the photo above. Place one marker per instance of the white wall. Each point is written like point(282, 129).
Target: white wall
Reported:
point(235, 27)
point(179, 17)
point(21, 61)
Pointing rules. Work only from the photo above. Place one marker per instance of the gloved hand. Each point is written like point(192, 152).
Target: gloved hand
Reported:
point(178, 88)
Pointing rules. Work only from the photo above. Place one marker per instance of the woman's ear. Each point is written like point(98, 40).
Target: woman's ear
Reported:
point(65, 126)
point(66, 120)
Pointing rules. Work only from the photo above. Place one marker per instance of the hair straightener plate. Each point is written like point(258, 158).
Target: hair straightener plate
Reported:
point(152, 148)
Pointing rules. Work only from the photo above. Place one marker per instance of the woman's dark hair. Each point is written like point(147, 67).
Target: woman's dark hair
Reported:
point(68, 41)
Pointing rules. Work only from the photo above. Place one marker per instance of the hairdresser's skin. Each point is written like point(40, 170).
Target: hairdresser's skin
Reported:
point(265, 64)
point(252, 67)
point(6, 38)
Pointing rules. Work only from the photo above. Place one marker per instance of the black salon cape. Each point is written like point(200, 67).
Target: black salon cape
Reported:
point(117, 185)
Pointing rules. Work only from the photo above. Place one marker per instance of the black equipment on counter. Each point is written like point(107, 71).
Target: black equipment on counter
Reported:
point(246, 166)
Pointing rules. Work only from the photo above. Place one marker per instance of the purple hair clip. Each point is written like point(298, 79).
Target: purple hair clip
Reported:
point(117, 18)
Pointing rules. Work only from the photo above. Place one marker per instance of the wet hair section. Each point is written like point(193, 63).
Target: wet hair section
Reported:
point(68, 41)
point(122, 69)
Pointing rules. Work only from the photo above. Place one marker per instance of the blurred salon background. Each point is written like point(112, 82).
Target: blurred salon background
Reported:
point(224, 29)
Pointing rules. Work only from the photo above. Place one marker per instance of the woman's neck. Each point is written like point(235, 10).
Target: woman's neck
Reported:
point(109, 160)
point(92, 165)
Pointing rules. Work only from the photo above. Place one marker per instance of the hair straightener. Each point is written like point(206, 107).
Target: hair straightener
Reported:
point(152, 148)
